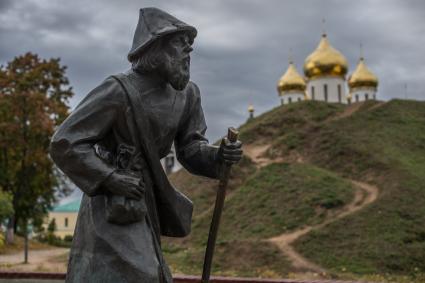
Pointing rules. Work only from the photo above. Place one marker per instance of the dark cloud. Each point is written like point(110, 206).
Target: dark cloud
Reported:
point(5, 4)
point(242, 48)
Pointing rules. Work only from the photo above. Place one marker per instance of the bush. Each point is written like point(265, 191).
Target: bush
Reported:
point(68, 238)
point(1, 240)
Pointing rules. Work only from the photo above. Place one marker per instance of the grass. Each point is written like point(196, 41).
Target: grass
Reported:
point(18, 246)
point(234, 258)
point(380, 143)
point(202, 190)
point(386, 146)
point(276, 199)
point(283, 120)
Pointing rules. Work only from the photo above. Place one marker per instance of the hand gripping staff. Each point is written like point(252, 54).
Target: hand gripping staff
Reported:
point(232, 137)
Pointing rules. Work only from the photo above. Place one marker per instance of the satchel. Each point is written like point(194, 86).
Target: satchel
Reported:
point(120, 209)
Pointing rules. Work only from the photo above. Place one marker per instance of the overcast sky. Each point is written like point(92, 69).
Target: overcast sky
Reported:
point(241, 50)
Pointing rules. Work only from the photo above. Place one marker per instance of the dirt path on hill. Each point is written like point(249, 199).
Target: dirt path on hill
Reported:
point(364, 195)
point(353, 108)
point(52, 260)
point(257, 154)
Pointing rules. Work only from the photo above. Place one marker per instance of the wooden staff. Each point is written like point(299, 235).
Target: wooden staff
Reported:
point(232, 137)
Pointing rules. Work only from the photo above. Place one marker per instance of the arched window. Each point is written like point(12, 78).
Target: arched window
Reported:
point(339, 94)
point(299, 98)
point(289, 99)
point(357, 98)
point(66, 221)
point(325, 91)
point(312, 92)
point(366, 96)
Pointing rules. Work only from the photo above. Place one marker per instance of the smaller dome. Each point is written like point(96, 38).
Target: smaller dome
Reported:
point(325, 61)
point(291, 81)
point(362, 76)
point(250, 108)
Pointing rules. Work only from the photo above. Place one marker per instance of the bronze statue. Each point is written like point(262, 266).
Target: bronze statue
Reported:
point(111, 146)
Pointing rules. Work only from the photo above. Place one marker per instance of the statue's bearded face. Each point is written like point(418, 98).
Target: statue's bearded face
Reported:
point(176, 64)
point(169, 58)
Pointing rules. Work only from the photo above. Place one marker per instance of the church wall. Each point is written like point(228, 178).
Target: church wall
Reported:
point(327, 89)
point(291, 97)
point(359, 95)
point(65, 222)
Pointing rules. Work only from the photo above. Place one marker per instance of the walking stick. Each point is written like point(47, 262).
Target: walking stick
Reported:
point(232, 136)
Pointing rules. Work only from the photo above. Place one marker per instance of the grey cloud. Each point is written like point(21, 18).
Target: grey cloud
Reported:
point(5, 4)
point(242, 48)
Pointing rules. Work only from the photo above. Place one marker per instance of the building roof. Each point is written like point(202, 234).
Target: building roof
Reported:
point(291, 81)
point(325, 61)
point(362, 76)
point(72, 206)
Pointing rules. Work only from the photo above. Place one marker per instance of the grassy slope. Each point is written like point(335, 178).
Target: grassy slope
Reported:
point(276, 199)
point(260, 204)
point(383, 144)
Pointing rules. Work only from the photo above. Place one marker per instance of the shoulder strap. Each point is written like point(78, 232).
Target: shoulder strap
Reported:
point(174, 208)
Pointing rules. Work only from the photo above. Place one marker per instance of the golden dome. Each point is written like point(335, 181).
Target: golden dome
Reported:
point(362, 76)
point(291, 81)
point(325, 61)
point(250, 108)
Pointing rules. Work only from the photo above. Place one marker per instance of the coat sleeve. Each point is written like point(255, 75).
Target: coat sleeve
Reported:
point(192, 148)
point(72, 148)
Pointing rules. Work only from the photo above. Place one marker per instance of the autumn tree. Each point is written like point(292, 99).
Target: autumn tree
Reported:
point(34, 99)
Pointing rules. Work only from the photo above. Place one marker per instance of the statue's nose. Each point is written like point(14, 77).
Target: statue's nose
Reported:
point(188, 49)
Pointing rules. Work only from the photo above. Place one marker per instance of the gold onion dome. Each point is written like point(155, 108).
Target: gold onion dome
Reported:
point(362, 76)
point(325, 61)
point(291, 81)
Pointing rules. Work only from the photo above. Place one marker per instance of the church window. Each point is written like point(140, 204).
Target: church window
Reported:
point(312, 92)
point(357, 98)
point(66, 221)
point(366, 96)
point(299, 98)
point(325, 91)
point(339, 94)
point(289, 99)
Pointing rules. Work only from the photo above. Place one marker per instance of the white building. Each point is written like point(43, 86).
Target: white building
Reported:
point(291, 86)
point(170, 162)
point(363, 83)
point(325, 71)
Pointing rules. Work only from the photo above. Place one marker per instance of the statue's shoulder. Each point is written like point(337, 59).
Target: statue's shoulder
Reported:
point(192, 90)
point(108, 92)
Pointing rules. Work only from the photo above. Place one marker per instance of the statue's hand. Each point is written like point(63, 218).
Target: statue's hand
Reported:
point(228, 152)
point(126, 185)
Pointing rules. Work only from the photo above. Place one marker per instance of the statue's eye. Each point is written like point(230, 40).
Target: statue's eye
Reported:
point(175, 41)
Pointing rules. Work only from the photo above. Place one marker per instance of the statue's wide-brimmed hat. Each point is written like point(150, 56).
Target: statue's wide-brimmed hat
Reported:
point(153, 24)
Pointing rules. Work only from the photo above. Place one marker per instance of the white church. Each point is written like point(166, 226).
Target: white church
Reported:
point(325, 79)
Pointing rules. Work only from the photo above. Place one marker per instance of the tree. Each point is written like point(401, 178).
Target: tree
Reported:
point(34, 99)
point(6, 208)
point(51, 228)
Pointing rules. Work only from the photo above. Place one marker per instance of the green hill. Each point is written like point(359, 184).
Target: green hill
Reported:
point(315, 149)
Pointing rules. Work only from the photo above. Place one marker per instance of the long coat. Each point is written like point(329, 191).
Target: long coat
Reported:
point(107, 252)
